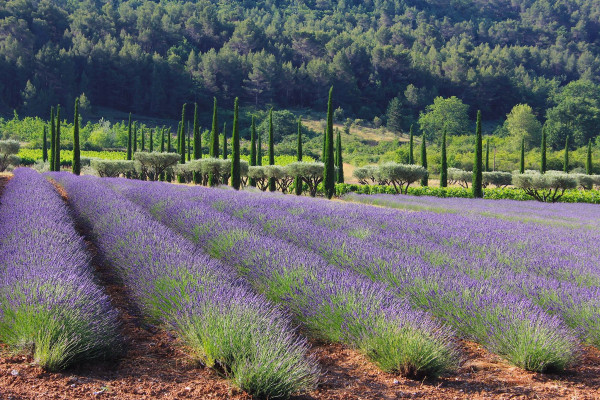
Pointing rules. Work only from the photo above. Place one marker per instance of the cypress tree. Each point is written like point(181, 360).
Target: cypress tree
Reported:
point(143, 138)
point(272, 187)
point(340, 161)
point(129, 140)
point(478, 164)
point(169, 147)
point(183, 134)
point(543, 149)
point(324, 145)
point(252, 181)
point(197, 143)
point(487, 155)
point(298, 179)
point(179, 137)
point(329, 169)
point(444, 163)
point(52, 139)
point(566, 161)
point(151, 141)
point(225, 141)
point(76, 149)
point(235, 150)
point(425, 179)
point(259, 154)
point(135, 138)
point(57, 142)
point(161, 177)
point(522, 163)
point(214, 142)
point(588, 160)
point(189, 143)
point(45, 144)
point(411, 159)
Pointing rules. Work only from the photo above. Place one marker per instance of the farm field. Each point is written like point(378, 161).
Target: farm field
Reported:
point(213, 293)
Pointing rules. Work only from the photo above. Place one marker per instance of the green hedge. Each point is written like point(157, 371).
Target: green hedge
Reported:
point(571, 196)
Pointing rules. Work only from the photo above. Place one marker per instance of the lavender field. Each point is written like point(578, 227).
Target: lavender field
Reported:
point(249, 282)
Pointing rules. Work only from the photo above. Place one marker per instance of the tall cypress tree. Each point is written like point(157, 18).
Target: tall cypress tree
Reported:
point(522, 163)
point(487, 155)
point(324, 145)
point(162, 139)
point(179, 137)
point(151, 141)
point(182, 149)
point(45, 144)
point(225, 141)
point(52, 139)
point(411, 159)
point(214, 142)
point(425, 179)
point(259, 153)
point(189, 143)
point(543, 149)
point(129, 140)
point(340, 161)
point(236, 179)
point(478, 164)
point(298, 179)
point(169, 138)
point(566, 161)
point(143, 138)
point(588, 159)
point(444, 163)
point(197, 143)
point(252, 181)
point(57, 142)
point(329, 169)
point(272, 187)
point(76, 149)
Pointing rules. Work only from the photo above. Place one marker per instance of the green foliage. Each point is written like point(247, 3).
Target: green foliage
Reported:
point(272, 183)
point(425, 180)
point(45, 144)
point(56, 166)
point(8, 154)
point(76, 148)
point(588, 159)
point(328, 161)
point(543, 150)
point(214, 142)
point(339, 159)
point(478, 164)
point(443, 163)
point(310, 172)
point(298, 186)
point(112, 168)
point(449, 115)
point(521, 124)
point(235, 153)
point(394, 115)
point(546, 187)
point(152, 165)
point(401, 175)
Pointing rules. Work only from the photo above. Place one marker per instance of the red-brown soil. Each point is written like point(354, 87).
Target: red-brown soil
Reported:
point(154, 366)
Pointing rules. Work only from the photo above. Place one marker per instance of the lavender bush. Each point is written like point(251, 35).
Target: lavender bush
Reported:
point(49, 303)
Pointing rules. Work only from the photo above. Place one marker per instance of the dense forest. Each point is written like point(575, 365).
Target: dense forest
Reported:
point(149, 57)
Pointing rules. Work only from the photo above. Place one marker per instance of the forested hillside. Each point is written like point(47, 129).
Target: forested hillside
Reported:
point(149, 57)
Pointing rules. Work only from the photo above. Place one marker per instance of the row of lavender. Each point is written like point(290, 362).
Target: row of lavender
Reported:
point(333, 304)
point(223, 323)
point(521, 315)
point(49, 303)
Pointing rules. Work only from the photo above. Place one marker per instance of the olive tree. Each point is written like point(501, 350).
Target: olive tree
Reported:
point(497, 178)
point(401, 176)
point(283, 180)
point(259, 175)
point(310, 172)
point(548, 187)
point(587, 182)
point(460, 177)
point(207, 167)
point(372, 173)
point(8, 154)
point(152, 165)
point(112, 168)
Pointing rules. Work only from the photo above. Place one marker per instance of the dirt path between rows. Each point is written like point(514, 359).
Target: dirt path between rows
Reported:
point(154, 365)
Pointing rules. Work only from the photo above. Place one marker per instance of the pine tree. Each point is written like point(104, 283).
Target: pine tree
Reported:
point(197, 143)
point(543, 150)
point(522, 162)
point(45, 144)
point(235, 150)
point(425, 179)
point(444, 163)
point(329, 169)
point(151, 141)
point(76, 149)
point(298, 180)
point(252, 181)
point(214, 142)
point(272, 186)
point(566, 161)
point(57, 141)
point(487, 155)
point(52, 140)
point(478, 164)
point(340, 161)
point(588, 159)
point(411, 159)
point(129, 140)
